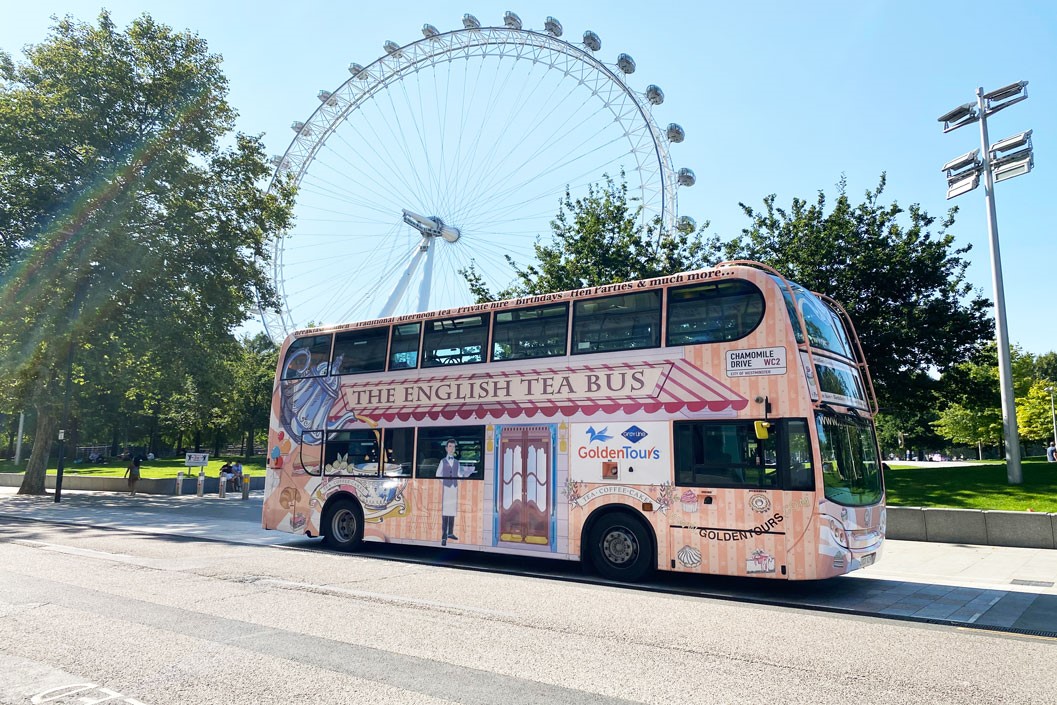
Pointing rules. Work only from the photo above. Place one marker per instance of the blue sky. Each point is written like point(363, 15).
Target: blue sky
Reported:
point(775, 97)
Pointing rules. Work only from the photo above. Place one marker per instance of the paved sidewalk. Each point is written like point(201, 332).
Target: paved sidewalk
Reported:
point(981, 586)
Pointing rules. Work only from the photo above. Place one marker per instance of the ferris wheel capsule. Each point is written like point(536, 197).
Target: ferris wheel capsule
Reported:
point(392, 48)
point(654, 94)
point(327, 98)
point(686, 177)
point(300, 128)
point(686, 224)
point(592, 41)
point(356, 70)
point(553, 27)
point(675, 133)
point(429, 31)
point(511, 20)
point(470, 22)
point(626, 64)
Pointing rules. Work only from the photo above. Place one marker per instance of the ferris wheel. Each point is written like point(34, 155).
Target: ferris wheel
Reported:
point(456, 150)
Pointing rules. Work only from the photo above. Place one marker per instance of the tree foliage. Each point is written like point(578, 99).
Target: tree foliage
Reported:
point(1035, 412)
point(973, 412)
point(132, 236)
point(597, 239)
point(904, 286)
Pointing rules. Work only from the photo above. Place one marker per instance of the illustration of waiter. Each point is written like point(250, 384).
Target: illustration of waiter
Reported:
point(450, 471)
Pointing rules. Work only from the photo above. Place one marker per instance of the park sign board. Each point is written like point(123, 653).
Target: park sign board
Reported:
point(194, 460)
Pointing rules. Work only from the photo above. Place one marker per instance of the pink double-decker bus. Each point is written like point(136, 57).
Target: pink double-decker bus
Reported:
point(717, 421)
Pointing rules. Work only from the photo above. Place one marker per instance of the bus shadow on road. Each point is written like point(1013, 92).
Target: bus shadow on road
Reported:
point(978, 608)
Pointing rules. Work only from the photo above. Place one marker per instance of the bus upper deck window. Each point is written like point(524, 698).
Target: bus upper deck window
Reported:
point(307, 357)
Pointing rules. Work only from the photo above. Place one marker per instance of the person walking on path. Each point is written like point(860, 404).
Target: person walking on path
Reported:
point(133, 476)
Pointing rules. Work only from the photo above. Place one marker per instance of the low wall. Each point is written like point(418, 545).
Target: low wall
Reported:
point(120, 484)
point(973, 526)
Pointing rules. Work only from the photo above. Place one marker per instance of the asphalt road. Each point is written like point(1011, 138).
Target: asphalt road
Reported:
point(157, 618)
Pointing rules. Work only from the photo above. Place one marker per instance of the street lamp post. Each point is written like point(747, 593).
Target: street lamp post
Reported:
point(1003, 160)
point(1053, 416)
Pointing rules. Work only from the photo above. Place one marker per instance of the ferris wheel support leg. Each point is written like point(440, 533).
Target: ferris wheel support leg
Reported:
point(401, 286)
point(426, 285)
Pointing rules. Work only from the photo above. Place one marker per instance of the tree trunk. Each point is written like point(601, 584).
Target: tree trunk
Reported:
point(250, 445)
point(43, 435)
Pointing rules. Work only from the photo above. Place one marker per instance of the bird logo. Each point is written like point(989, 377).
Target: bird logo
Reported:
point(600, 436)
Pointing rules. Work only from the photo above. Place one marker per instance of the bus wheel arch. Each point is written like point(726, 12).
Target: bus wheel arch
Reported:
point(620, 543)
point(342, 522)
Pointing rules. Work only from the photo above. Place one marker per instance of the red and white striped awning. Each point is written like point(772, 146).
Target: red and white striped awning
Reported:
point(622, 388)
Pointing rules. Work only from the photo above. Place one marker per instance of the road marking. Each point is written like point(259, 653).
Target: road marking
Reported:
point(60, 695)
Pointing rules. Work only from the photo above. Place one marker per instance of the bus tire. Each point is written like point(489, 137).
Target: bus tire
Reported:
point(343, 525)
point(619, 547)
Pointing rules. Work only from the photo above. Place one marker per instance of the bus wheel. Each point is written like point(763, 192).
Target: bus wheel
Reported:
point(620, 548)
point(343, 525)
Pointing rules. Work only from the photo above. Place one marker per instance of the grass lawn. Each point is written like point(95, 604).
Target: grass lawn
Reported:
point(977, 485)
point(153, 469)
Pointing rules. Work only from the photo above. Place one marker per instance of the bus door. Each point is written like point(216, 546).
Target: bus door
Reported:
point(732, 515)
point(526, 460)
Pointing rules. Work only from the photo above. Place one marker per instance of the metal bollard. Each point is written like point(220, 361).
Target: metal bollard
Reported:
point(245, 486)
point(180, 482)
point(201, 482)
point(221, 486)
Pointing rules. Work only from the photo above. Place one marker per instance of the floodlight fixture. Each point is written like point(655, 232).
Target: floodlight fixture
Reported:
point(1012, 156)
point(1016, 164)
point(1009, 143)
point(958, 163)
point(964, 183)
point(961, 116)
point(1005, 96)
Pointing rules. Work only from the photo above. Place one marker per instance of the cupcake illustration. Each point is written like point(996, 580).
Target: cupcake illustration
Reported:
point(689, 500)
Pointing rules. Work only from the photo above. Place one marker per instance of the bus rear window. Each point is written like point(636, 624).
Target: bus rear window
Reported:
point(307, 357)
point(623, 322)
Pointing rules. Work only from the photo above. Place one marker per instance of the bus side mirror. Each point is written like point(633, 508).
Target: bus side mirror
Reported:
point(761, 429)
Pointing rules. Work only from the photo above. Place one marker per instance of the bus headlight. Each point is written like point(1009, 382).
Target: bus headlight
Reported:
point(840, 537)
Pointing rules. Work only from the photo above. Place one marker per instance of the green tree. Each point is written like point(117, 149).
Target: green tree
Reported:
point(1046, 367)
point(972, 427)
point(127, 224)
point(903, 286)
point(597, 239)
point(1034, 417)
point(973, 412)
point(253, 376)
